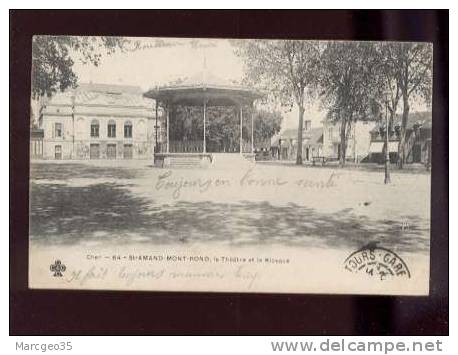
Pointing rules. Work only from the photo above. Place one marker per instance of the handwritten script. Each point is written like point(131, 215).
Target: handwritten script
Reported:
point(167, 181)
point(131, 276)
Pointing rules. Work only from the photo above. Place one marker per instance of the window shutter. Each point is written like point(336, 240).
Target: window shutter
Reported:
point(53, 129)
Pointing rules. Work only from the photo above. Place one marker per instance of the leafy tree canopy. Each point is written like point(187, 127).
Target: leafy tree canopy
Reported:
point(407, 69)
point(349, 86)
point(52, 59)
point(347, 80)
point(287, 69)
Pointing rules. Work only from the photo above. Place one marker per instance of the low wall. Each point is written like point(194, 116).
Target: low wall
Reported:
point(165, 160)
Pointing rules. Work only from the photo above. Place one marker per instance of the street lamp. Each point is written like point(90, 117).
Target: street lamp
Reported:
point(387, 144)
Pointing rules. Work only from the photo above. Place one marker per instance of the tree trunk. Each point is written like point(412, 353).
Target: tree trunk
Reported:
point(343, 141)
point(299, 136)
point(402, 136)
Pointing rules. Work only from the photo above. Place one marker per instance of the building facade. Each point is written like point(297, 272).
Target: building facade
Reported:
point(98, 121)
point(418, 140)
point(284, 145)
point(358, 143)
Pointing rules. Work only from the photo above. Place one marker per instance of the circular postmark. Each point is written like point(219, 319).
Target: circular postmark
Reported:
point(377, 262)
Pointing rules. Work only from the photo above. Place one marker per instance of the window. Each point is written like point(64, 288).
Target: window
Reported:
point(307, 125)
point(111, 151)
point(95, 129)
point(58, 152)
point(128, 151)
point(330, 133)
point(111, 129)
point(94, 151)
point(57, 129)
point(128, 129)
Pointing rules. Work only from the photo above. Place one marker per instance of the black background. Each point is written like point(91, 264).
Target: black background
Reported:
point(95, 312)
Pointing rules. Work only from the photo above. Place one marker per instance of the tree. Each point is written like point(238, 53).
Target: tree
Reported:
point(266, 125)
point(385, 75)
point(348, 86)
point(411, 64)
point(52, 59)
point(388, 97)
point(286, 69)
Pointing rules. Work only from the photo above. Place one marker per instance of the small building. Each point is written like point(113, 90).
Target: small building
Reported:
point(284, 145)
point(418, 139)
point(99, 121)
point(358, 143)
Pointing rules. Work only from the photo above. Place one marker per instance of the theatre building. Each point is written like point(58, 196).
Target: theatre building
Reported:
point(98, 121)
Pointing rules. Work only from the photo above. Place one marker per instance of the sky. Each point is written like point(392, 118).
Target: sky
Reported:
point(158, 66)
point(165, 60)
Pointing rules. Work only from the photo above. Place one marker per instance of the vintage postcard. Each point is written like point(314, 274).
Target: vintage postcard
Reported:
point(221, 165)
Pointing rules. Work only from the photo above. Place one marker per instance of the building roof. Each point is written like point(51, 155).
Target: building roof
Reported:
point(100, 99)
point(424, 118)
point(202, 86)
point(289, 133)
point(102, 94)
